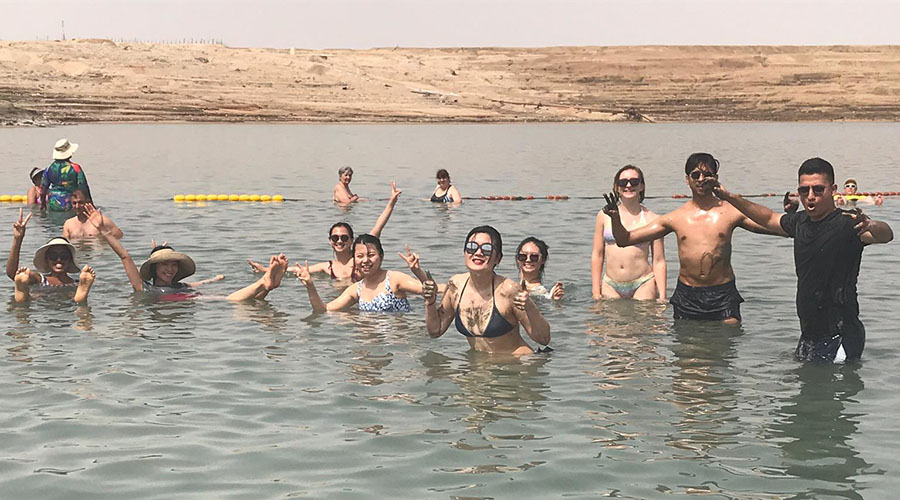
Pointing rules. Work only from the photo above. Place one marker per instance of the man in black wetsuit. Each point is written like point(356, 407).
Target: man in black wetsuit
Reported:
point(828, 245)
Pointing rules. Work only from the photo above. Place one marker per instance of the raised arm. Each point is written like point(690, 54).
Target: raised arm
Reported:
point(598, 253)
point(528, 314)
point(654, 230)
point(97, 220)
point(870, 231)
point(761, 219)
point(113, 229)
point(438, 317)
point(12, 262)
point(346, 299)
point(386, 213)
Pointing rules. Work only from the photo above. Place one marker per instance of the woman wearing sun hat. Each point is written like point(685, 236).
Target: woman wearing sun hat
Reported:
point(53, 261)
point(34, 192)
point(62, 177)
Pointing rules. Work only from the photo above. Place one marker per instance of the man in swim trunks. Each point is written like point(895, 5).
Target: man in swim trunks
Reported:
point(704, 226)
point(828, 245)
point(79, 226)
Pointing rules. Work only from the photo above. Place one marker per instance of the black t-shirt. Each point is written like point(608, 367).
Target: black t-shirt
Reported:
point(827, 254)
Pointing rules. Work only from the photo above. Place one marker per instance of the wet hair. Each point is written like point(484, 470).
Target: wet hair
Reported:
point(697, 159)
point(345, 169)
point(542, 248)
point(84, 193)
point(341, 224)
point(368, 239)
point(496, 240)
point(443, 174)
point(616, 178)
point(814, 166)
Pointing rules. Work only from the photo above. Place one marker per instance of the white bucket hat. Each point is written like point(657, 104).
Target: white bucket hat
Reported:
point(63, 150)
point(40, 256)
point(186, 266)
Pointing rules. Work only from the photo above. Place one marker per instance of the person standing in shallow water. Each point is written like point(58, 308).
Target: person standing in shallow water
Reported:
point(445, 192)
point(704, 226)
point(828, 246)
point(62, 178)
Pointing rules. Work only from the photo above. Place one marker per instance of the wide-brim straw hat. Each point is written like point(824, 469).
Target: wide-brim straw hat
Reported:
point(64, 149)
point(186, 266)
point(40, 256)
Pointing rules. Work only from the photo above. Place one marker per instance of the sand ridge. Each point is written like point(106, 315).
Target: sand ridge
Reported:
point(101, 81)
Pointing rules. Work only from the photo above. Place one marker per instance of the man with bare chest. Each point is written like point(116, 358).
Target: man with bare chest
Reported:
point(704, 226)
point(79, 227)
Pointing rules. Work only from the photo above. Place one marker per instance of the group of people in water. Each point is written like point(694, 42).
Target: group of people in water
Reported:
point(627, 259)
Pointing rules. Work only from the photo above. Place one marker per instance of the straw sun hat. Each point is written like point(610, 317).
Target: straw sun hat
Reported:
point(40, 256)
point(186, 265)
point(64, 149)
point(35, 172)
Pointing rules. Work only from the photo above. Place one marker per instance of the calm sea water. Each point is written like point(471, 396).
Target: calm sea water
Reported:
point(128, 398)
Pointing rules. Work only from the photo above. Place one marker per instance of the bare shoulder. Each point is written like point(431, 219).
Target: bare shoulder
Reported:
point(650, 215)
point(508, 287)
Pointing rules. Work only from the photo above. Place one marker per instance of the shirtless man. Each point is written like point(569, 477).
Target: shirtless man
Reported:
point(79, 227)
point(828, 246)
point(703, 227)
point(342, 194)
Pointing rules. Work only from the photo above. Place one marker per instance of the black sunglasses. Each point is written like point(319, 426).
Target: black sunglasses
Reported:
point(55, 255)
point(634, 182)
point(487, 249)
point(340, 237)
point(818, 189)
point(697, 173)
point(530, 257)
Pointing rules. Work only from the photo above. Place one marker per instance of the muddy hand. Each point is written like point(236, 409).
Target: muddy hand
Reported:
point(612, 204)
point(521, 299)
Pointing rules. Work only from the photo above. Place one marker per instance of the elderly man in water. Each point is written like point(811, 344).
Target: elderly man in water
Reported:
point(704, 225)
point(828, 246)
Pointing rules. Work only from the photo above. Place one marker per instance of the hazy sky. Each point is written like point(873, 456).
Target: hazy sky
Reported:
point(449, 23)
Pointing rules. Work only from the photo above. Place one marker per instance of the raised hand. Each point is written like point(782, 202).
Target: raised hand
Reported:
point(19, 225)
point(429, 289)
point(395, 193)
point(522, 296)
point(257, 267)
point(557, 292)
point(302, 272)
point(612, 204)
point(94, 216)
point(411, 259)
point(863, 222)
point(154, 245)
point(717, 188)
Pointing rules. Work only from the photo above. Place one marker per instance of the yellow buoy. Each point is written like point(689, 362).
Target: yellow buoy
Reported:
point(190, 197)
point(278, 197)
point(254, 197)
point(265, 197)
point(222, 197)
point(178, 197)
point(5, 198)
point(233, 197)
point(244, 197)
point(16, 198)
point(212, 197)
point(200, 197)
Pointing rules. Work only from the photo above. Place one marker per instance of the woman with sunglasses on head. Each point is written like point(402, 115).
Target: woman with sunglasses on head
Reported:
point(340, 237)
point(378, 290)
point(630, 272)
point(53, 261)
point(486, 308)
point(531, 257)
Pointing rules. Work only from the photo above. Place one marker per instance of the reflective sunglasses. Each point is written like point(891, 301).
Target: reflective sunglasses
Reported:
point(340, 237)
point(697, 173)
point(487, 249)
point(633, 182)
point(530, 257)
point(818, 189)
point(57, 255)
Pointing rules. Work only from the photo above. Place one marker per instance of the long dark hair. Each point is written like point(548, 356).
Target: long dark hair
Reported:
point(496, 240)
point(542, 248)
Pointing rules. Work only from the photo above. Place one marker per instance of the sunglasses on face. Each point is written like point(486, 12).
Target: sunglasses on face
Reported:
point(344, 238)
point(57, 256)
point(849, 185)
point(633, 182)
point(818, 190)
point(697, 173)
point(530, 257)
point(472, 247)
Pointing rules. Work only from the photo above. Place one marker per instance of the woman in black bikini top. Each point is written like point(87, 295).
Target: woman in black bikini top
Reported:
point(488, 309)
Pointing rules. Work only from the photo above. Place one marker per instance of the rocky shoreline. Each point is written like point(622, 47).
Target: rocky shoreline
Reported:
point(81, 81)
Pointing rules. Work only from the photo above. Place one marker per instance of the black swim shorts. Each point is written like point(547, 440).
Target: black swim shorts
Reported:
point(849, 336)
point(718, 302)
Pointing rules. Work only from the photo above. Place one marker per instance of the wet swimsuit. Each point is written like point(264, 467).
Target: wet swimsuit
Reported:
point(626, 289)
point(446, 198)
point(497, 326)
point(384, 302)
point(45, 283)
point(827, 255)
point(717, 302)
point(178, 287)
point(611, 240)
point(353, 275)
point(62, 178)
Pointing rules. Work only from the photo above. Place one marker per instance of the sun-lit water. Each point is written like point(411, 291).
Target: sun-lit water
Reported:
point(129, 398)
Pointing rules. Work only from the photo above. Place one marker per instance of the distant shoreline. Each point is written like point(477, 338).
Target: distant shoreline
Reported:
point(99, 81)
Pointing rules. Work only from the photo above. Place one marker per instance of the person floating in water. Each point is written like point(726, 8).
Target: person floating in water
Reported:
point(79, 227)
point(704, 227)
point(342, 194)
point(828, 246)
point(62, 178)
point(53, 262)
point(445, 192)
point(33, 197)
point(851, 197)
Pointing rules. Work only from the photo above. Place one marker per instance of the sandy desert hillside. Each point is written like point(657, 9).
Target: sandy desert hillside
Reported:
point(102, 81)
